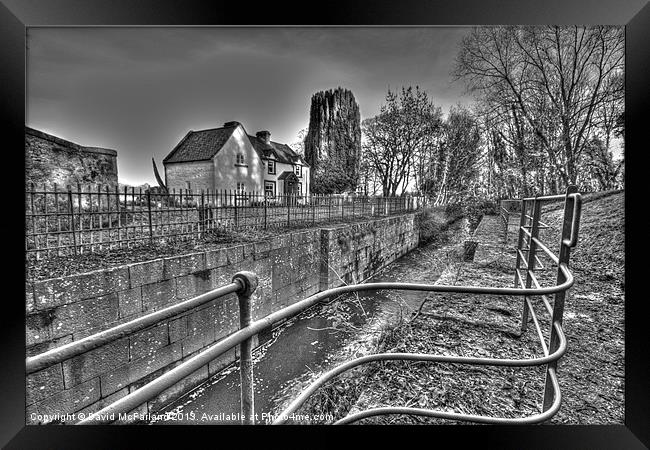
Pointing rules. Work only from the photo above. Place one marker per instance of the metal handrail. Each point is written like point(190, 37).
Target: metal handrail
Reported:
point(299, 401)
point(246, 283)
point(537, 418)
point(148, 391)
point(58, 354)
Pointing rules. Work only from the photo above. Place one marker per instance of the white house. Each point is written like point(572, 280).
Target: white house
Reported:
point(228, 158)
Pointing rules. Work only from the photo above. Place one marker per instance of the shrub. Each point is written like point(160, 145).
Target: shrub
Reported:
point(431, 223)
point(475, 209)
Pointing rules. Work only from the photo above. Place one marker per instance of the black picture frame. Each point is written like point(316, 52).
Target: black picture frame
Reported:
point(17, 15)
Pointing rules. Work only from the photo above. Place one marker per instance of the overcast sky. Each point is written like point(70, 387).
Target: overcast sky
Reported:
point(139, 90)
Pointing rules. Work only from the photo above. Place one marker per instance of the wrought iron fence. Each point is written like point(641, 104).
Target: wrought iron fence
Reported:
point(526, 285)
point(80, 219)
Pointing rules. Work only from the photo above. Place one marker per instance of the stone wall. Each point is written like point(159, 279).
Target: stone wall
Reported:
point(355, 252)
point(49, 159)
point(290, 268)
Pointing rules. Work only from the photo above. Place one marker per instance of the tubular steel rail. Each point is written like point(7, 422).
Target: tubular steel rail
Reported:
point(245, 283)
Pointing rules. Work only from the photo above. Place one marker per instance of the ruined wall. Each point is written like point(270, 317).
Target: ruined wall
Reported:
point(49, 159)
point(290, 268)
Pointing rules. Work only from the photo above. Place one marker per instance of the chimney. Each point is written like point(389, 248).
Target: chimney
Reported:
point(265, 136)
point(231, 124)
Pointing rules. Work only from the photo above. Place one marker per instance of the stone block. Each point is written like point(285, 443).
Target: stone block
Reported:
point(177, 329)
point(192, 285)
point(178, 266)
point(92, 284)
point(38, 327)
point(146, 272)
point(95, 362)
point(146, 342)
point(226, 316)
point(262, 249)
point(127, 374)
point(43, 384)
point(85, 315)
point(30, 304)
point(177, 390)
point(248, 251)
point(130, 302)
point(37, 349)
point(158, 295)
point(64, 402)
point(216, 258)
point(104, 402)
point(235, 254)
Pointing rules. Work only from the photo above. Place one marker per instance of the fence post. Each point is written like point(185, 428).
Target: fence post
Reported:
point(235, 204)
point(288, 200)
point(202, 218)
point(329, 208)
point(249, 282)
point(560, 297)
point(265, 202)
point(149, 211)
point(70, 205)
point(530, 263)
point(522, 222)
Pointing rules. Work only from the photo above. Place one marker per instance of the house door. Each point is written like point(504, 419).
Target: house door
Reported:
point(291, 188)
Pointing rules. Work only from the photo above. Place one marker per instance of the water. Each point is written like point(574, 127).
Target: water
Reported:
point(291, 355)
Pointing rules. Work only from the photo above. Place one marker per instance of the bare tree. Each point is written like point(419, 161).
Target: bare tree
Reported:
point(453, 173)
point(402, 131)
point(553, 79)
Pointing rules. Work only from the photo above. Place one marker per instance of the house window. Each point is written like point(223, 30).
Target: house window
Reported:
point(240, 159)
point(299, 188)
point(269, 189)
point(271, 167)
point(189, 185)
point(298, 170)
point(240, 187)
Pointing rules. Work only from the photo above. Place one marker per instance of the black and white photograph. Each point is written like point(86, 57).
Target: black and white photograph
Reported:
point(325, 225)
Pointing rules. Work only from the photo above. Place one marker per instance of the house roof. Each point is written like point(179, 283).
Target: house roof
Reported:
point(282, 152)
point(287, 175)
point(204, 144)
point(201, 145)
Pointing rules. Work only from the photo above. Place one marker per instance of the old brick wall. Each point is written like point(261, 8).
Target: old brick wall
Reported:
point(200, 175)
point(289, 267)
point(49, 159)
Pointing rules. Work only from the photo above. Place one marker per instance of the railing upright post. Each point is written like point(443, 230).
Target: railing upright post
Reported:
point(236, 215)
point(265, 199)
point(70, 206)
point(149, 210)
point(249, 282)
point(202, 219)
point(560, 297)
point(530, 266)
point(520, 240)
